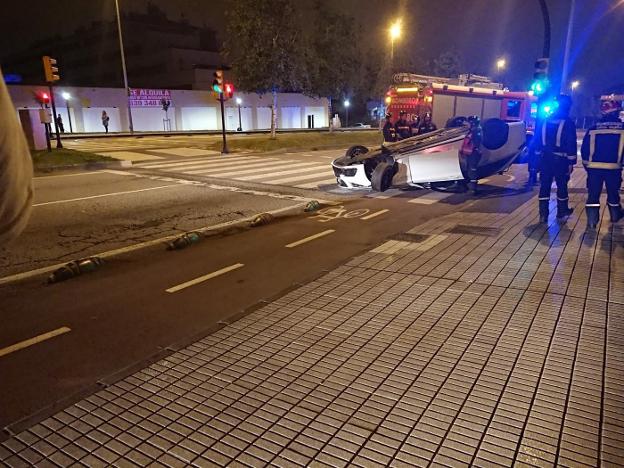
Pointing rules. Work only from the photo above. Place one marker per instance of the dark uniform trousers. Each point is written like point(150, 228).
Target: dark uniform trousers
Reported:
point(612, 178)
point(557, 168)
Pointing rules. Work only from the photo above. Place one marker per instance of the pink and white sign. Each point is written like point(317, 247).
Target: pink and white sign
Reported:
point(148, 97)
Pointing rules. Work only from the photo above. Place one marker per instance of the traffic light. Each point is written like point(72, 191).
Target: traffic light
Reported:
point(540, 77)
point(217, 83)
point(229, 90)
point(50, 69)
point(42, 97)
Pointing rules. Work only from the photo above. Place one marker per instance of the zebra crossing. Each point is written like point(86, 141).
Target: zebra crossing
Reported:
point(295, 173)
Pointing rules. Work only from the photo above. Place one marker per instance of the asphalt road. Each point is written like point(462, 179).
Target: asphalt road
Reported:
point(139, 304)
point(86, 213)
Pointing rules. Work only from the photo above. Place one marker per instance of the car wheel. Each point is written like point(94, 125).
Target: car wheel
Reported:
point(356, 151)
point(382, 176)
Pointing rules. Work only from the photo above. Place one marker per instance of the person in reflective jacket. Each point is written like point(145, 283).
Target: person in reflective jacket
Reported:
point(389, 134)
point(402, 127)
point(602, 152)
point(557, 148)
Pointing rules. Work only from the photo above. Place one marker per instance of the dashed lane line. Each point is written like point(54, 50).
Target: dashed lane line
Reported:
point(201, 279)
point(310, 238)
point(33, 341)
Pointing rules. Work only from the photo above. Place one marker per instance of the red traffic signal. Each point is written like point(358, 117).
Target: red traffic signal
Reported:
point(42, 97)
point(229, 90)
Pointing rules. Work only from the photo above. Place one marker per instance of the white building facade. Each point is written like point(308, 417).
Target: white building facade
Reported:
point(190, 110)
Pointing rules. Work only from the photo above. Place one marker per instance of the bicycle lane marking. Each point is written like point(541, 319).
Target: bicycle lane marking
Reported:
point(337, 212)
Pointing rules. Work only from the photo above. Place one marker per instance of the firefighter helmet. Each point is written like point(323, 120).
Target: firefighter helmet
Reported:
point(606, 107)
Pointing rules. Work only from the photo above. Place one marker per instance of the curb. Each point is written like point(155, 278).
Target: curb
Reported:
point(205, 231)
point(88, 166)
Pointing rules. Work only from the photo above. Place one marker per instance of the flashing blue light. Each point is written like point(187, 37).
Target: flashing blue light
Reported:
point(12, 78)
point(547, 109)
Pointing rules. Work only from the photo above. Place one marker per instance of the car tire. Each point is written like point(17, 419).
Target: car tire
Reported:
point(382, 176)
point(356, 150)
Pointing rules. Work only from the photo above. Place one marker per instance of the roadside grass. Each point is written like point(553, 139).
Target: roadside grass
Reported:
point(64, 158)
point(298, 141)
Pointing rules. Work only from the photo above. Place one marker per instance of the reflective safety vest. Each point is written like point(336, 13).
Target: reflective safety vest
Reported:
point(603, 145)
point(558, 137)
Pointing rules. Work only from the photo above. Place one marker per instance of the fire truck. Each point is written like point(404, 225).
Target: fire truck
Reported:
point(467, 95)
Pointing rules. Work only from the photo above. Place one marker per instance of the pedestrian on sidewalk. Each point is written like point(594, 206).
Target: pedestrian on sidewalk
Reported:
point(557, 148)
point(16, 185)
point(59, 124)
point(105, 120)
point(602, 152)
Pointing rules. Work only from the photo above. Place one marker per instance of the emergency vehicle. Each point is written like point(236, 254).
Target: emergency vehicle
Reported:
point(615, 97)
point(468, 95)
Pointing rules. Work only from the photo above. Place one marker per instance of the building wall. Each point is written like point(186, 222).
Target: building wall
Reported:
point(190, 110)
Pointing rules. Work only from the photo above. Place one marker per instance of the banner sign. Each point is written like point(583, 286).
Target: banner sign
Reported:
point(148, 97)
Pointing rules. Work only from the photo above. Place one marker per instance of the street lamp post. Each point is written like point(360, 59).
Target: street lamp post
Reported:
point(575, 84)
point(501, 64)
point(395, 33)
point(347, 104)
point(123, 66)
point(67, 98)
point(239, 101)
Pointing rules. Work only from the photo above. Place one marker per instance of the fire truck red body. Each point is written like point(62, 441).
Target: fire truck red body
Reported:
point(445, 100)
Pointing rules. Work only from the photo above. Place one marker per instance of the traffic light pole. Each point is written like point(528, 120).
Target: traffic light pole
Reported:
point(224, 150)
point(59, 144)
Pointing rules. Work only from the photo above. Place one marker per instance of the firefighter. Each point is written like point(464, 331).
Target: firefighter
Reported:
point(389, 133)
point(557, 146)
point(602, 151)
point(471, 150)
point(427, 125)
point(414, 125)
point(402, 127)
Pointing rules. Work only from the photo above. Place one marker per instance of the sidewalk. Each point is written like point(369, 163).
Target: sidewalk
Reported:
point(479, 339)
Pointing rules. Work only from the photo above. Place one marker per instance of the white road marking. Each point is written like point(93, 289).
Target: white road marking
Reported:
point(185, 151)
point(298, 168)
point(201, 279)
point(229, 165)
point(69, 175)
point(32, 341)
point(130, 156)
point(56, 202)
point(248, 169)
point(430, 198)
point(194, 162)
point(310, 238)
point(210, 165)
point(317, 183)
point(385, 195)
point(375, 214)
point(298, 178)
point(116, 172)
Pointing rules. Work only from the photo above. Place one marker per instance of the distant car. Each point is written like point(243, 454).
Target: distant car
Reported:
point(430, 160)
point(361, 125)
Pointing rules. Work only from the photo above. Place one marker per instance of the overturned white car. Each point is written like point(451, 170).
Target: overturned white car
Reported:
point(430, 160)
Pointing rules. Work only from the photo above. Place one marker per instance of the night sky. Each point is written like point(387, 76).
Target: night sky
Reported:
point(479, 30)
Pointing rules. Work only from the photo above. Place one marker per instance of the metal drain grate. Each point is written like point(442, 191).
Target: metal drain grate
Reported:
point(475, 230)
point(408, 237)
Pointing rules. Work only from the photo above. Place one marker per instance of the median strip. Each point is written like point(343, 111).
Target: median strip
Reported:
point(32, 341)
point(311, 238)
point(201, 279)
point(375, 214)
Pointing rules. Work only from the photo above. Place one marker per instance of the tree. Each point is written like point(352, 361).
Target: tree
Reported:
point(448, 64)
point(265, 48)
point(332, 61)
